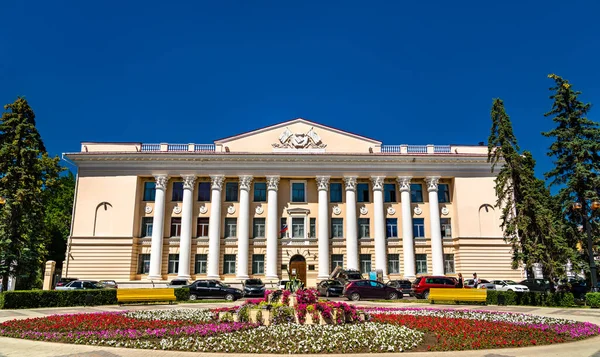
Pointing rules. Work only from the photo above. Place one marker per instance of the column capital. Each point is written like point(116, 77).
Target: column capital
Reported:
point(272, 183)
point(350, 183)
point(245, 182)
point(377, 182)
point(217, 182)
point(188, 182)
point(161, 181)
point(404, 183)
point(323, 183)
point(432, 183)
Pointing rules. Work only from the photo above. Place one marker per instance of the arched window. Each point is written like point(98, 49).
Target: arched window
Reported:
point(103, 219)
point(487, 221)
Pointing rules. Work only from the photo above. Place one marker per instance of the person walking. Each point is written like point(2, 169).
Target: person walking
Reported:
point(460, 283)
point(475, 280)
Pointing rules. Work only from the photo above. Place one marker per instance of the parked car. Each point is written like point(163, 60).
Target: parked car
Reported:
point(404, 285)
point(422, 284)
point(254, 287)
point(178, 283)
point(370, 289)
point(509, 285)
point(539, 285)
point(578, 287)
point(213, 289)
point(345, 276)
point(64, 281)
point(282, 283)
point(330, 288)
point(109, 284)
point(483, 284)
point(81, 284)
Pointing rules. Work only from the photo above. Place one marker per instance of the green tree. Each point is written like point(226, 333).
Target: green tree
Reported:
point(25, 170)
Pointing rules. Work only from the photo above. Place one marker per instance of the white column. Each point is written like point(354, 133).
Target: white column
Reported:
point(185, 241)
point(158, 223)
point(351, 224)
point(272, 227)
point(378, 215)
point(323, 222)
point(243, 227)
point(407, 232)
point(437, 251)
point(214, 227)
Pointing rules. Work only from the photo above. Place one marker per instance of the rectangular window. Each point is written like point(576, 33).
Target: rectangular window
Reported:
point(230, 227)
point(149, 191)
point(421, 263)
point(313, 227)
point(175, 226)
point(443, 193)
point(446, 227)
point(173, 263)
point(337, 227)
point(298, 227)
point(204, 192)
point(200, 263)
point(147, 226)
point(337, 260)
point(229, 264)
point(335, 192)
point(448, 263)
point(389, 192)
point(260, 192)
point(202, 227)
point(362, 192)
point(298, 193)
point(419, 227)
point(143, 263)
point(364, 228)
point(258, 229)
point(283, 232)
point(258, 263)
point(231, 191)
point(393, 263)
point(365, 263)
point(416, 192)
point(391, 227)
point(177, 194)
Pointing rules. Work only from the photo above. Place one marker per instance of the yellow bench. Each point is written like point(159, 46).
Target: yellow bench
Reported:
point(145, 295)
point(457, 295)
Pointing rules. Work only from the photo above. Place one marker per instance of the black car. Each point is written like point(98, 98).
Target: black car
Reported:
point(539, 285)
point(254, 287)
point(404, 285)
point(213, 289)
point(330, 288)
point(578, 287)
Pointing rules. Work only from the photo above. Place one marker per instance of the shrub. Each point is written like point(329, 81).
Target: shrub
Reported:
point(27, 299)
point(531, 298)
point(567, 299)
point(283, 315)
point(182, 294)
point(244, 313)
point(592, 299)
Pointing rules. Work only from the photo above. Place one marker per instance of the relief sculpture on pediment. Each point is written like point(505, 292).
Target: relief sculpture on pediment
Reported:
point(289, 140)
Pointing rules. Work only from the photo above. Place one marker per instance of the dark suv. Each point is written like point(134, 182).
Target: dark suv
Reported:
point(404, 285)
point(422, 284)
point(539, 285)
point(370, 289)
point(213, 289)
point(254, 287)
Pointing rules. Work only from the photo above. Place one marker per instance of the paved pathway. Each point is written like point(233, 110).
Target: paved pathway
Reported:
point(24, 348)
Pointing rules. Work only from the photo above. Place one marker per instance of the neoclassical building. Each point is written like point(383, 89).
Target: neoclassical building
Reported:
point(294, 198)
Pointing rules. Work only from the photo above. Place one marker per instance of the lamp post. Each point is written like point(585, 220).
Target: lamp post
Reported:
point(595, 207)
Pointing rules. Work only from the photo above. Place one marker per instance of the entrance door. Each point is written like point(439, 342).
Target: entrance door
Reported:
point(298, 268)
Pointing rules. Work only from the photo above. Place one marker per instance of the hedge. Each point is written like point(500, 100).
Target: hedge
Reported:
point(182, 294)
point(563, 299)
point(592, 300)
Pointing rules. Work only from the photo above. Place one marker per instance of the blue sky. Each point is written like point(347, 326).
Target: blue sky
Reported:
point(400, 72)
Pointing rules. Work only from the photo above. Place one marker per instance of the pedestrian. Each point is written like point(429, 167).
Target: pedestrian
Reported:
point(460, 283)
point(475, 280)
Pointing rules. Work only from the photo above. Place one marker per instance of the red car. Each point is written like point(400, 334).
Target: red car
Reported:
point(422, 284)
point(370, 289)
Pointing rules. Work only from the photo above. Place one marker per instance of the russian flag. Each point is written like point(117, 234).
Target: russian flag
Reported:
point(283, 229)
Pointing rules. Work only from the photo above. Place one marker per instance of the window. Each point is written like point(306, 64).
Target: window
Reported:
point(443, 193)
point(200, 264)
point(173, 263)
point(419, 227)
point(229, 264)
point(364, 230)
point(389, 192)
point(258, 263)
point(260, 192)
point(448, 263)
point(393, 263)
point(175, 226)
point(143, 263)
point(391, 227)
point(446, 228)
point(258, 230)
point(202, 227)
point(231, 192)
point(230, 227)
point(421, 263)
point(284, 228)
point(149, 191)
point(416, 192)
point(337, 260)
point(337, 227)
point(362, 192)
point(177, 194)
point(335, 192)
point(147, 226)
point(313, 228)
point(298, 193)
point(297, 227)
point(365, 263)
point(204, 191)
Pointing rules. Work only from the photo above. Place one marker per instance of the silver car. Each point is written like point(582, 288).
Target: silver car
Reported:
point(81, 285)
